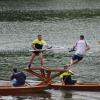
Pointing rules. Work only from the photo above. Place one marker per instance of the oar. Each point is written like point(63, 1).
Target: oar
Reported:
point(50, 49)
point(27, 83)
point(41, 49)
point(55, 48)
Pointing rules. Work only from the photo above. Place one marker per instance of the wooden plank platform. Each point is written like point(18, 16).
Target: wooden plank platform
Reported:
point(45, 74)
point(47, 69)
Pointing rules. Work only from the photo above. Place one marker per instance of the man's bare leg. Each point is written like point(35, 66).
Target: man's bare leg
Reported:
point(31, 60)
point(72, 62)
point(41, 59)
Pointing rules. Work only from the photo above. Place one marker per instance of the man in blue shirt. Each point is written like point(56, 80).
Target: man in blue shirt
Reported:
point(18, 77)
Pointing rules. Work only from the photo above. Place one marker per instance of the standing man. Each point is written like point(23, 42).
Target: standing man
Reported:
point(80, 49)
point(37, 45)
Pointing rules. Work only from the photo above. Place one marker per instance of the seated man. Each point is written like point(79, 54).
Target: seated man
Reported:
point(18, 78)
point(66, 78)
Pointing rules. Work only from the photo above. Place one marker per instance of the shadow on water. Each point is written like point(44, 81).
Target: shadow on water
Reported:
point(47, 9)
point(48, 15)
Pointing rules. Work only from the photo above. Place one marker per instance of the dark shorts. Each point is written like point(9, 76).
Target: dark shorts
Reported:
point(77, 57)
point(36, 53)
point(70, 82)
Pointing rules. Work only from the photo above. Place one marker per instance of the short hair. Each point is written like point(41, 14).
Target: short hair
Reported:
point(15, 70)
point(82, 36)
point(39, 35)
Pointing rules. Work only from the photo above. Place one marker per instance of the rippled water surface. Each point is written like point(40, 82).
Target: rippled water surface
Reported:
point(61, 22)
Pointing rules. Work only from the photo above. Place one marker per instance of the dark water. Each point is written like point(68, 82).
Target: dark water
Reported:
point(30, 10)
point(61, 22)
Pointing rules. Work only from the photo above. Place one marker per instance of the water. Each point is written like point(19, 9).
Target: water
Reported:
point(61, 22)
point(56, 95)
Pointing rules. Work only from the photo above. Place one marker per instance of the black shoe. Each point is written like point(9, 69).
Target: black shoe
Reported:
point(29, 65)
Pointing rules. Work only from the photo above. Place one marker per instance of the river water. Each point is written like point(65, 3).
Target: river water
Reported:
point(60, 22)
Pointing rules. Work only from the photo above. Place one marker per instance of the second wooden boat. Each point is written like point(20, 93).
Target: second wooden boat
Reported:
point(48, 74)
point(77, 87)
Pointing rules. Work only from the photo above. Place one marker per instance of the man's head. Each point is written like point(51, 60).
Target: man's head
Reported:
point(81, 37)
point(15, 70)
point(39, 37)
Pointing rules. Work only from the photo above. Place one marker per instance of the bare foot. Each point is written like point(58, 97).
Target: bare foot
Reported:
point(66, 66)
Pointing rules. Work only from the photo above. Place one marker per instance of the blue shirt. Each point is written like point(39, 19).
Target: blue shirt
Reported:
point(19, 76)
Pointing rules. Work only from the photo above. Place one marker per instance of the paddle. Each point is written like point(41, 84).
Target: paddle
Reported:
point(41, 49)
point(48, 49)
point(27, 83)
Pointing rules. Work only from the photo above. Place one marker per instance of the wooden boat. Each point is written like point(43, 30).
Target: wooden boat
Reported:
point(8, 89)
point(48, 74)
point(77, 87)
point(26, 89)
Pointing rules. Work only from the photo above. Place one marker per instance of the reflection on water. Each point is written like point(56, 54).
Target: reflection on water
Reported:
point(67, 94)
point(35, 96)
point(73, 95)
point(56, 95)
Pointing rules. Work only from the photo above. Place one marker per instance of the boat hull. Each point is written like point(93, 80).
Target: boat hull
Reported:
point(77, 87)
point(11, 90)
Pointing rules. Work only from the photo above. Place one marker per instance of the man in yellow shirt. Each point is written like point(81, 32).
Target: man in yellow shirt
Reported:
point(37, 45)
point(66, 78)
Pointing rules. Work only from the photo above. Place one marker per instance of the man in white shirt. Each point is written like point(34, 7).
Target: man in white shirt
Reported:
point(80, 50)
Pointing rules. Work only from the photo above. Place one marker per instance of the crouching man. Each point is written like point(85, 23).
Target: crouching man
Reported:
point(18, 78)
point(66, 78)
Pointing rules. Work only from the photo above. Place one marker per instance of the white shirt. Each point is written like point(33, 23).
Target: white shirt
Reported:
point(81, 47)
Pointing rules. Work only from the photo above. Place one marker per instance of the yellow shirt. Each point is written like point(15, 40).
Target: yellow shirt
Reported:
point(39, 43)
point(67, 73)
